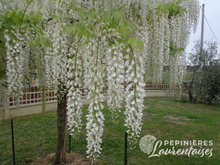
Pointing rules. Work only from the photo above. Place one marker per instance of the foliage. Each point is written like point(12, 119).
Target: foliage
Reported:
point(2, 54)
point(171, 8)
point(205, 85)
point(174, 49)
point(211, 83)
point(209, 53)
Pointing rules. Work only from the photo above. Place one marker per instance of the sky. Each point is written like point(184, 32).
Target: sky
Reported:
point(212, 14)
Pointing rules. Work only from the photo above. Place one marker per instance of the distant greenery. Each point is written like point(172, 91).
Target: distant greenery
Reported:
point(166, 76)
point(205, 82)
point(172, 8)
point(164, 118)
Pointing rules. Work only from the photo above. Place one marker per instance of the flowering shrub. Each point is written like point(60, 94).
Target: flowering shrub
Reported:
point(98, 45)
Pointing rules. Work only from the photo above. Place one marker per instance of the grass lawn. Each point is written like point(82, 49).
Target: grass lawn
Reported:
point(164, 118)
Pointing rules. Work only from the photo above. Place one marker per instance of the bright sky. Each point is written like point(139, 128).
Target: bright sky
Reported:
point(212, 14)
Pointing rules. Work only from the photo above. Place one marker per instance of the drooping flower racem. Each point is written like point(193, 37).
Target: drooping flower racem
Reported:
point(114, 46)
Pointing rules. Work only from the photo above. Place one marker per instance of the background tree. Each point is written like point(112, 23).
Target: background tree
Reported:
point(205, 85)
point(204, 57)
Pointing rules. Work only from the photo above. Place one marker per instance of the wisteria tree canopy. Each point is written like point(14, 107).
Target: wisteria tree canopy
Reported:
point(95, 44)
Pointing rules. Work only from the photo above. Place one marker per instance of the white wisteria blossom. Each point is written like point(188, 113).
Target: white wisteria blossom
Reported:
point(135, 94)
point(56, 57)
point(94, 76)
point(115, 79)
point(74, 85)
point(17, 60)
point(106, 47)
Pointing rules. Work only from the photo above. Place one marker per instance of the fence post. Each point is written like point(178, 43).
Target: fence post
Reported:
point(69, 143)
point(12, 140)
point(125, 148)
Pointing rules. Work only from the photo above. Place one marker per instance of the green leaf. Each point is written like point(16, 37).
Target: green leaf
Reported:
point(125, 27)
point(71, 56)
point(173, 8)
point(122, 29)
point(28, 1)
point(135, 43)
point(32, 43)
point(36, 16)
point(69, 28)
point(2, 74)
point(13, 18)
point(40, 40)
point(79, 28)
point(181, 49)
point(117, 16)
point(174, 49)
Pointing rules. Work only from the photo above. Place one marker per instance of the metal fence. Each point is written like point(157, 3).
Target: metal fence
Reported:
point(158, 86)
point(35, 94)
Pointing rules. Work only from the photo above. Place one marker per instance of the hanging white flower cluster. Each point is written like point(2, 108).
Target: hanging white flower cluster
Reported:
point(103, 58)
point(74, 85)
point(168, 36)
point(192, 14)
point(104, 52)
point(158, 43)
point(17, 59)
point(153, 29)
point(94, 76)
point(56, 57)
point(177, 59)
point(115, 78)
point(180, 27)
point(86, 68)
point(135, 94)
point(135, 67)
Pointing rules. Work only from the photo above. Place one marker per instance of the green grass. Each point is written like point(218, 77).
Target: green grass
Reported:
point(164, 118)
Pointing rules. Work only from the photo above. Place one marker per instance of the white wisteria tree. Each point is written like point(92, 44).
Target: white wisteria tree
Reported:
point(94, 44)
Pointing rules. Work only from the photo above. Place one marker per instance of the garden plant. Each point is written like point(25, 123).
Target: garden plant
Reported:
point(95, 44)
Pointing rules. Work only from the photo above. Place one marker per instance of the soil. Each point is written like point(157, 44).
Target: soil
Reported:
point(176, 119)
point(71, 159)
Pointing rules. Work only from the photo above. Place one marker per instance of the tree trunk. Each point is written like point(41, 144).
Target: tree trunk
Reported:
point(60, 155)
